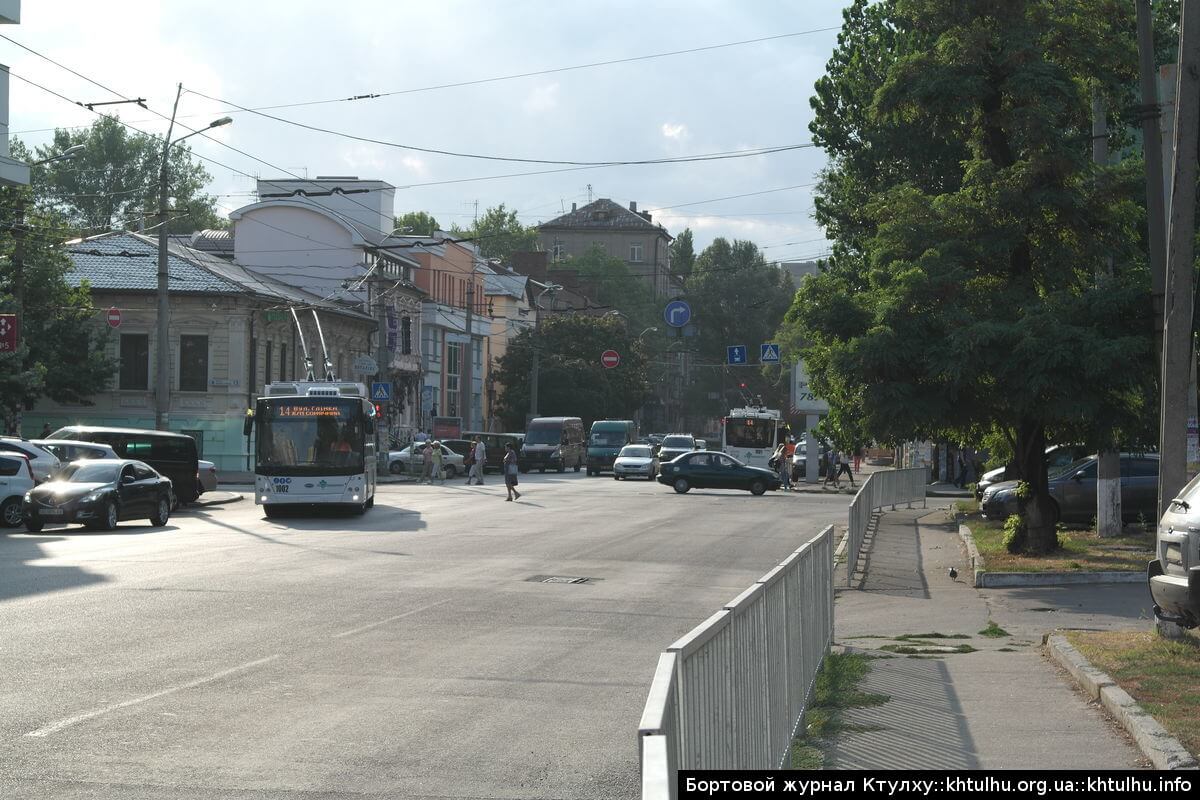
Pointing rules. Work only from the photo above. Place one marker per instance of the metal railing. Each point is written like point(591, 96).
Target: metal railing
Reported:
point(730, 694)
point(883, 488)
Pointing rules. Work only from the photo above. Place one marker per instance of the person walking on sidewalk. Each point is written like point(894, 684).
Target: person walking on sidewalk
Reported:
point(510, 472)
point(426, 464)
point(479, 451)
point(438, 474)
point(786, 451)
point(844, 469)
point(834, 471)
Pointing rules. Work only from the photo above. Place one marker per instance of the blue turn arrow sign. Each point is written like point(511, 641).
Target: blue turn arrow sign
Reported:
point(677, 313)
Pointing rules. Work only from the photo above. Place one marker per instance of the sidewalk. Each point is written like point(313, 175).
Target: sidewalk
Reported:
point(1002, 707)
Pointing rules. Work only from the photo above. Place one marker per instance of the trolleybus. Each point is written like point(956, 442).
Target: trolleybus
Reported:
point(751, 434)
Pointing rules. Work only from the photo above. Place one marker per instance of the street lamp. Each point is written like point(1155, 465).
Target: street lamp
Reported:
point(162, 392)
point(648, 330)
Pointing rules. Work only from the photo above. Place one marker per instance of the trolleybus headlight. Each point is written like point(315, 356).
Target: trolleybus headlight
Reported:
point(264, 498)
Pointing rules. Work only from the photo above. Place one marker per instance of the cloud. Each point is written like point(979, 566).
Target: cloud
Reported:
point(676, 132)
point(415, 165)
point(542, 99)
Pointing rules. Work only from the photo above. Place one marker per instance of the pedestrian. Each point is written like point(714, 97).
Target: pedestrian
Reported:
point(960, 476)
point(834, 470)
point(438, 474)
point(858, 452)
point(421, 436)
point(785, 464)
point(479, 454)
point(844, 469)
point(46, 431)
point(426, 464)
point(510, 472)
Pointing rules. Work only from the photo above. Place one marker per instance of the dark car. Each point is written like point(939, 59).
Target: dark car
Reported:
point(706, 469)
point(172, 454)
point(1174, 574)
point(1073, 490)
point(676, 445)
point(1057, 457)
point(99, 493)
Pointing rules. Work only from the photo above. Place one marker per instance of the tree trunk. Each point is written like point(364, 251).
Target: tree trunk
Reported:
point(1038, 510)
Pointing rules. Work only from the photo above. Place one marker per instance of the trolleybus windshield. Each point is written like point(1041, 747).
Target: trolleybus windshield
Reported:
point(750, 432)
point(310, 435)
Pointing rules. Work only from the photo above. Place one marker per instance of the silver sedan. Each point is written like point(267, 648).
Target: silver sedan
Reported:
point(635, 460)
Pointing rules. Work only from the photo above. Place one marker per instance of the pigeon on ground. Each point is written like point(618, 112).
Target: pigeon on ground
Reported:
point(953, 574)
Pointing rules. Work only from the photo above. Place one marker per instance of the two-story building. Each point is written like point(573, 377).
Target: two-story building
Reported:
point(231, 332)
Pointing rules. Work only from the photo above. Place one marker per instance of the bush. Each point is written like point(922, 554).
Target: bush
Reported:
point(1014, 534)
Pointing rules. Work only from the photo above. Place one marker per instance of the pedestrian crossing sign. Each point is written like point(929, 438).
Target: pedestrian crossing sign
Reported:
point(769, 354)
point(381, 391)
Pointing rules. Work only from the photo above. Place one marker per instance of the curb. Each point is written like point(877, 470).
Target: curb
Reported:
point(223, 501)
point(1002, 580)
point(1163, 750)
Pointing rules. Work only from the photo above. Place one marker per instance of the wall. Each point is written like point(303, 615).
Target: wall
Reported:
point(653, 269)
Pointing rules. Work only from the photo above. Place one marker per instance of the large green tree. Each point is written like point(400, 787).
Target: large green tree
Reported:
point(683, 254)
point(113, 183)
point(418, 223)
point(499, 234)
point(963, 295)
point(572, 381)
point(61, 355)
point(610, 285)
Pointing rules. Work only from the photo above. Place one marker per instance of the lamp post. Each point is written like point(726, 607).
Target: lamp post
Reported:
point(162, 391)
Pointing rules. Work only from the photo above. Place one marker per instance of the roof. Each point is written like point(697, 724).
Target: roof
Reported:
point(604, 214)
point(508, 283)
point(212, 241)
point(129, 261)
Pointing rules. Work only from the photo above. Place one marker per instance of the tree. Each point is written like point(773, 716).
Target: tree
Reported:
point(973, 303)
point(683, 256)
point(572, 381)
point(610, 285)
point(736, 298)
point(113, 182)
point(61, 355)
point(417, 223)
point(499, 234)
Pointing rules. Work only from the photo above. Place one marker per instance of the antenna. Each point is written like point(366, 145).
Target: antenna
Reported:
point(589, 188)
point(324, 350)
point(308, 365)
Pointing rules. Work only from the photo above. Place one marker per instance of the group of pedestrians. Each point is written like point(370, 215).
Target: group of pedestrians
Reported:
point(835, 464)
point(433, 466)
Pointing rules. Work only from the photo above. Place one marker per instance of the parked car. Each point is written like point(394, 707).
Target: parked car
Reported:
point(676, 445)
point(1057, 457)
point(1073, 490)
point(174, 455)
point(1174, 574)
point(208, 477)
point(16, 478)
point(43, 461)
point(99, 493)
point(708, 470)
point(554, 442)
point(406, 460)
point(636, 460)
point(460, 446)
point(67, 451)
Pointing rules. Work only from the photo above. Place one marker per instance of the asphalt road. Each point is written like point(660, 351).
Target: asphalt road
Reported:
point(403, 654)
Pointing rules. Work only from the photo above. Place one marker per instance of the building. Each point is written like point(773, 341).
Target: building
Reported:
point(510, 312)
point(625, 233)
point(12, 172)
point(232, 331)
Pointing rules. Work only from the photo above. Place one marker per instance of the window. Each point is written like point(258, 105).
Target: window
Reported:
point(635, 252)
point(193, 363)
point(283, 362)
point(11, 466)
point(406, 335)
point(135, 361)
point(267, 363)
point(560, 250)
point(453, 368)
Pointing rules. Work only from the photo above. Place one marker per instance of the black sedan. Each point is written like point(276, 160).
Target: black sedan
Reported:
point(99, 494)
point(708, 470)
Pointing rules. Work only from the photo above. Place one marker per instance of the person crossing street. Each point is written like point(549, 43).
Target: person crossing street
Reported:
point(479, 453)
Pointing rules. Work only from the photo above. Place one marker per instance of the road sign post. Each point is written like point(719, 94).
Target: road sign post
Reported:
point(610, 359)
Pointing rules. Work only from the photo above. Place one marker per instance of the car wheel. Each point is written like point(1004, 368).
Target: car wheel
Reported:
point(371, 502)
point(577, 468)
point(681, 485)
point(162, 514)
point(33, 525)
point(109, 517)
point(562, 468)
point(757, 488)
point(616, 477)
point(396, 467)
point(451, 471)
point(10, 512)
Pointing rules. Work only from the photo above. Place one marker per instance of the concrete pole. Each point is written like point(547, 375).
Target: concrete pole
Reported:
point(812, 459)
point(1178, 358)
point(1152, 149)
point(384, 362)
point(469, 362)
point(162, 390)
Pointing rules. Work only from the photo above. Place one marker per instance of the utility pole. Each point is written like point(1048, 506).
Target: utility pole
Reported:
point(162, 383)
point(1152, 151)
point(1108, 461)
point(469, 360)
point(1178, 359)
point(384, 362)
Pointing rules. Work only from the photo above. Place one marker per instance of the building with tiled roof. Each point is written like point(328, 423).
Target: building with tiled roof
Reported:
point(626, 233)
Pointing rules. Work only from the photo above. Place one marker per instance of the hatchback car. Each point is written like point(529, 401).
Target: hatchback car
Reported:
point(43, 461)
point(1174, 574)
point(99, 493)
point(1073, 490)
point(708, 470)
point(16, 478)
point(635, 460)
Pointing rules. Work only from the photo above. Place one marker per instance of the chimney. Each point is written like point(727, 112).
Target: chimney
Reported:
point(633, 206)
point(572, 208)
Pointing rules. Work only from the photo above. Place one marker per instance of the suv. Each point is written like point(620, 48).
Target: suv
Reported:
point(172, 454)
point(1174, 576)
point(16, 478)
point(674, 445)
point(42, 461)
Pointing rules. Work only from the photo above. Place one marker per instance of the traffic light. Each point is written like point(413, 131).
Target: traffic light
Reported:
point(379, 409)
point(742, 385)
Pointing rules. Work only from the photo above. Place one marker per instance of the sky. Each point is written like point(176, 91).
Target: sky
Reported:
point(265, 52)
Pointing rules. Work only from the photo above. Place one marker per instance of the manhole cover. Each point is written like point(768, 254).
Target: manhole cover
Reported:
point(557, 579)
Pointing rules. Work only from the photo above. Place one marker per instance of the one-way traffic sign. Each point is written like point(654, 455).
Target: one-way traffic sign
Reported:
point(736, 354)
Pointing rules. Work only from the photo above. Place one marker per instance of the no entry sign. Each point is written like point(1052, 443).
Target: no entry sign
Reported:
point(114, 317)
point(610, 358)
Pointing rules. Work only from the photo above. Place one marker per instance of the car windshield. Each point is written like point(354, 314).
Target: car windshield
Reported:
point(635, 452)
point(89, 472)
point(679, 441)
point(543, 434)
point(609, 438)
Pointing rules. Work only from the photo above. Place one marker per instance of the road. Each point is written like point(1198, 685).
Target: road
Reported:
point(409, 653)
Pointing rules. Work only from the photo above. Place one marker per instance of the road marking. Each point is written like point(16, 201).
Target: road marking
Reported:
point(69, 721)
point(362, 628)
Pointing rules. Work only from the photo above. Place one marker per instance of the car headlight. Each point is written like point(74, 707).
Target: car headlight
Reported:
point(29, 497)
point(92, 497)
point(556, 454)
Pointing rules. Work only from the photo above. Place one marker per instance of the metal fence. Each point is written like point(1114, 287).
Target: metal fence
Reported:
point(883, 488)
point(729, 694)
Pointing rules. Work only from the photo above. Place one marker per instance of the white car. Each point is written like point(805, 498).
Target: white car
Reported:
point(208, 477)
point(16, 478)
point(402, 461)
point(43, 461)
point(636, 460)
point(68, 450)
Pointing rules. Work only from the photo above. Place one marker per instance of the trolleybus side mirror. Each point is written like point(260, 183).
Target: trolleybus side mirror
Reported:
point(248, 425)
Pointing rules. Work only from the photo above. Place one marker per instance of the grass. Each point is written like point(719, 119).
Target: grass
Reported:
point(1162, 675)
point(994, 631)
point(1080, 551)
point(927, 648)
point(836, 689)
